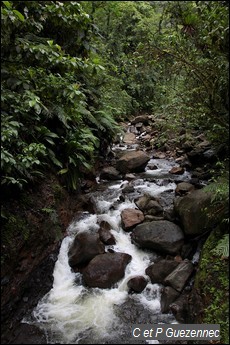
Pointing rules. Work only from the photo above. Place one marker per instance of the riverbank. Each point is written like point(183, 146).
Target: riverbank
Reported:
point(38, 279)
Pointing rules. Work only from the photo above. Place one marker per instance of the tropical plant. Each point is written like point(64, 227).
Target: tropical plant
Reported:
point(222, 248)
point(49, 107)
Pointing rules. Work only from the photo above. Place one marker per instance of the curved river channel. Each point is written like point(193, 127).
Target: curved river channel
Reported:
point(72, 313)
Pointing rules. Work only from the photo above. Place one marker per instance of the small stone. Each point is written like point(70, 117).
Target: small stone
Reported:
point(177, 170)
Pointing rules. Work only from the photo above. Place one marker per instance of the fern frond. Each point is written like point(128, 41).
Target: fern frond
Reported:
point(91, 119)
point(107, 122)
point(53, 110)
point(222, 248)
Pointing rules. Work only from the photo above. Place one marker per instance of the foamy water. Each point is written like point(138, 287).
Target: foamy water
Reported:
point(72, 313)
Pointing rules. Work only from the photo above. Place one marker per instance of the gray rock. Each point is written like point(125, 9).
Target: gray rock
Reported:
point(84, 248)
point(105, 235)
point(161, 236)
point(191, 211)
point(110, 173)
point(178, 277)
point(160, 270)
point(105, 270)
point(133, 161)
point(137, 284)
point(168, 296)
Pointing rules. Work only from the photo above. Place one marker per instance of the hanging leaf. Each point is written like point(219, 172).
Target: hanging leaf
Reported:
point(19, 15)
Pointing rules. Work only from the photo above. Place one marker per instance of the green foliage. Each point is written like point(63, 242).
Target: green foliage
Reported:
point(49, 104)
point(222, 248)
point(195, 43)
point(220, 197)
point(212, 284)
point(70, 68)
point(166, 56)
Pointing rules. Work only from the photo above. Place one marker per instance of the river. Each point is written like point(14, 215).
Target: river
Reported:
point(72, 313)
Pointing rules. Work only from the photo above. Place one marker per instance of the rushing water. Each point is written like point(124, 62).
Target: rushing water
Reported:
point(74, 314)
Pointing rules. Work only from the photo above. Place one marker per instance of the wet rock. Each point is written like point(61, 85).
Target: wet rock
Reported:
point(152, 167)
point(133, 312)
point(110, 173)
point(84, 248)
point(129, 138)
point(130, 177)
point(201, 174)
point(183, 188)
point(121, 198)
point(128, 189)
point(131, 217)
point(190, 210)
point(105, 270)
point(201, 155)
point(105, 235)
point(159, 155)
point(141, 118)
point(178, 277)
point(85, 203)
point(177, 170)
point(168, 296)
point(133, 161)
point(150, 218)
point(196, 182)
point(148, 205)
point(161, 236)
point(179, 308)
point(160, 270)
point(137, 284)
point(188, 145)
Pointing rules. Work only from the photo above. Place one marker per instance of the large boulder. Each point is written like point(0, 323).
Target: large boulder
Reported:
point(179, 277)
point(129, 138)
point(106, 269)
point(141, 118)
point(110, 173)
point(160, 270)
point(84, 248)
point(191, 211)
point(161, 236)
point(133, 161)
point(131, 217)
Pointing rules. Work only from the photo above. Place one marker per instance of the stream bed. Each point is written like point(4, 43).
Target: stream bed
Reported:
point(72, 313)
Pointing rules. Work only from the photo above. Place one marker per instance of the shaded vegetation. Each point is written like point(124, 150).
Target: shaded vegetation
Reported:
point(70, 71)
point(50, 119)
point(212, 284)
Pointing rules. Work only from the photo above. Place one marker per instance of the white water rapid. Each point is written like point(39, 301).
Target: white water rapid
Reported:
point(74, 314)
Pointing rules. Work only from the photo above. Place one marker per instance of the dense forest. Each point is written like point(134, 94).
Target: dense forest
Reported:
point(72, 71)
